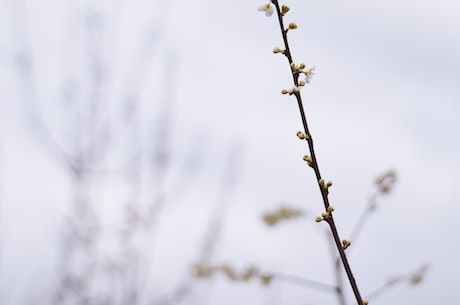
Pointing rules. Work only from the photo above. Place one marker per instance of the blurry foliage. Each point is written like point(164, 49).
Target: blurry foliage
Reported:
point(386, 182)
point(204, 270)
point(282, 213)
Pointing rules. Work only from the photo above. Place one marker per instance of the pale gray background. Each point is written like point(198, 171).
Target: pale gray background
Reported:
point(385, 96)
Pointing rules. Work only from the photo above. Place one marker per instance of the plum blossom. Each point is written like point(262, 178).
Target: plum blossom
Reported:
point(267, 8)
point(309, 74)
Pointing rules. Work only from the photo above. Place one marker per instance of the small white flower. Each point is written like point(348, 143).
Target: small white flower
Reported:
point(309, 75)
point(267, 8)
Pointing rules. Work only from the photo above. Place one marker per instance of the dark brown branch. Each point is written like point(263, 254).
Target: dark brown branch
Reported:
point(314, 163)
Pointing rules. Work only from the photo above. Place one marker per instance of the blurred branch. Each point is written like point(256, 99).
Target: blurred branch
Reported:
point(414, 278)
point(384, 184)
point(157, 161)
point(214, 228)
point(304, 282)
point(223, 202)
point(338, 273)
point(23, 65)
point(205, 270)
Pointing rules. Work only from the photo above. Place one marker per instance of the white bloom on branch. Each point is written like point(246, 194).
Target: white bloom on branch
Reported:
point(267, 8)
point(309, 74)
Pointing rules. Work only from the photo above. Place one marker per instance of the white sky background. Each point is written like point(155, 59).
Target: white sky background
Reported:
point(385, 96)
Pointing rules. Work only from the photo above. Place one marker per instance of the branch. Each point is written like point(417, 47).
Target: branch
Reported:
point(413, 278)
point(312, 160)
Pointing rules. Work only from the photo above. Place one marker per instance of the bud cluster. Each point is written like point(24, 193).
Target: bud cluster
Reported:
point(346, 244)
point(325, 185)
point(325, 215)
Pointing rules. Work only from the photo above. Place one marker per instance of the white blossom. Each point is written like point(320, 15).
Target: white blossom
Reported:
point(267, 8)
point(309, 75)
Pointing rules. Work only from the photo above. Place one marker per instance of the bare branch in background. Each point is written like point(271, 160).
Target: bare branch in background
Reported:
point(95, 136)
point(384, 184)
point(413, 278)
point(206, 252)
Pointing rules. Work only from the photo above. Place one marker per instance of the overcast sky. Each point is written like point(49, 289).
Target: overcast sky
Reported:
point(385, 96)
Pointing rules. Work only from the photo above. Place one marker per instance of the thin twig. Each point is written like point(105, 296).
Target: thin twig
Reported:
point(314, 163)
point(379, 291)
point(363, 217)
point(414, 278)
point(297, 280)
point(207, 250)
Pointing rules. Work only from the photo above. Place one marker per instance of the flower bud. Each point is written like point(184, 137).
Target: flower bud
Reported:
point(284, 9)
point(301, 136)
point(292, 26)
